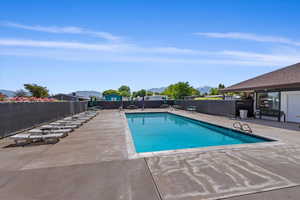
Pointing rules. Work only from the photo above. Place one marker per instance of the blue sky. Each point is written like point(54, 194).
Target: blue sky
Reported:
point(98, 45)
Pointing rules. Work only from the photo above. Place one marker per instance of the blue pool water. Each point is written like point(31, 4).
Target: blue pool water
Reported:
point(165, 131)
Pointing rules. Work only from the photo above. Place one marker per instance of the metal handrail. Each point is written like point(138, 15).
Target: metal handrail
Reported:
point(248, 128)
point(237, 125)
point(243, 127)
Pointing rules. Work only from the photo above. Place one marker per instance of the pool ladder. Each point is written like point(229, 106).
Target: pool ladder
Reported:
point(243, 127)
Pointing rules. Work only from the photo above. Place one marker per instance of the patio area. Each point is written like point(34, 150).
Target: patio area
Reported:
point(94, 162)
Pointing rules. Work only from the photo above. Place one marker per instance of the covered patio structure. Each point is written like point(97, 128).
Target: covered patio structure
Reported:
point(276, 94)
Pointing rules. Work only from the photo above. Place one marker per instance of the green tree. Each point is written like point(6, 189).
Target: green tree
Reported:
point(149, 93)
point(214, 91)
point(110, 91)
point(124, 91)
point(125, 94)
point(37, 90)
point(134, 94)
point(20, 93)
point(195, 92)
point(140, 93)
point(124, 88)
point(180, 90)
point(221, 86)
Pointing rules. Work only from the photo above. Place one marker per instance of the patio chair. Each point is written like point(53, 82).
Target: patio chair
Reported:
point(95, 108)
point(46, 132)
point(28, 138)
point(90, 113)
point(35, 131)
point(177, 107)
point(85, 116)
point(21, 138)
point(48, 138)
point(132, 107)
point(66, 123)
point(80, 116)
point(191, 108)
point(69, 122)
point(83, 120)
point(55, 127)
point(164, 106)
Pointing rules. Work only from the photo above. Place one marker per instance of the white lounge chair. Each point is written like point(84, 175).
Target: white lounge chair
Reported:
point(55, 127)
point(28, 138)
point(47, 132)
point(67, 122)
point(35, 131)
point(73, 120)
point(63, 131)
point(48, 138)
point(20, 138)
point(191, 108)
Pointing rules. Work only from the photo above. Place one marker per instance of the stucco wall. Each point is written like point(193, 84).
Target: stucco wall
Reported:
point(214, 107)
point(284, 102)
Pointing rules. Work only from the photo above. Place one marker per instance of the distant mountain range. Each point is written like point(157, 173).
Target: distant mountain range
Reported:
point(8, 93)
point(202, 90)
point(159, 90)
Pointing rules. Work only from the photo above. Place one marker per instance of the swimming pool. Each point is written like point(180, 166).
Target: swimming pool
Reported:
point(166, 131)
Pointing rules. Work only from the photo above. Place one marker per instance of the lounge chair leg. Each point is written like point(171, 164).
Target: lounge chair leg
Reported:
point(51, 140)
point(56, 140)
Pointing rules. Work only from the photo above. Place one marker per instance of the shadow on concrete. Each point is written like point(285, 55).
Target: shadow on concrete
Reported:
point(29, 144)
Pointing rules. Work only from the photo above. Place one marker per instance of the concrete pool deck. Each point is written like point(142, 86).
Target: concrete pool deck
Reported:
point(94, 162)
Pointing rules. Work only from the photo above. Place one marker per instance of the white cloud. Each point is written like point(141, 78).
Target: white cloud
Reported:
point(94, 56)
point(174, 50)
point(119, 47)
point(60, 44)
point(272, 58)
point(63, 30)
point(249, 36)
point(124, 52)
point(133, 53)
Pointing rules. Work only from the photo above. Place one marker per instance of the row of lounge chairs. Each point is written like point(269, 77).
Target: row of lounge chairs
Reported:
point(52, 132)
